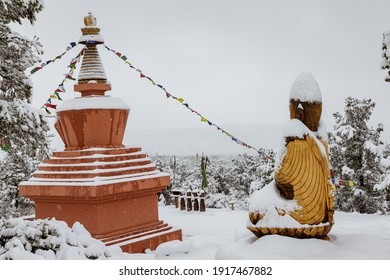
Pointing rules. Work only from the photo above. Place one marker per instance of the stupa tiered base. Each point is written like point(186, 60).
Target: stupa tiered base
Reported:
point(112, 192)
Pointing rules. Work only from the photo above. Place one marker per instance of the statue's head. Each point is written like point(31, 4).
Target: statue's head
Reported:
point(306, 101)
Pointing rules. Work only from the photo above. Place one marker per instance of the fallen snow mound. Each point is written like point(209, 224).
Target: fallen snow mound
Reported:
point(52, 240)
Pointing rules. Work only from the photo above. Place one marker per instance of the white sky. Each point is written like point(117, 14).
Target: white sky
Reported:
point(233, 61)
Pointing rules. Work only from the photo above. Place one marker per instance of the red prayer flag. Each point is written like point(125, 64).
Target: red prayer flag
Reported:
point(50, 105)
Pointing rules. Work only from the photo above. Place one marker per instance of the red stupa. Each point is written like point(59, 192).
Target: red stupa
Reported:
point(109, 188)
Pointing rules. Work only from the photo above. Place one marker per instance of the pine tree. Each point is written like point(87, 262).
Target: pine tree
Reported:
point(384, 182)
point(355, 156)
point(385, 62)
point(23, 130)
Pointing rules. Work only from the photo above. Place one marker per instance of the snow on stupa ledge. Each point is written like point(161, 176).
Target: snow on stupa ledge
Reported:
point(306, 89)
point(93, 102)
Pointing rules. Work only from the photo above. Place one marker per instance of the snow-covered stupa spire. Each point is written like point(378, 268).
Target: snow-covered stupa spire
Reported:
point(91, 68)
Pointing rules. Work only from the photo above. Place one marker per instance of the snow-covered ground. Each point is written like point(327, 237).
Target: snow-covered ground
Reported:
point(222, 234)
point(217, 234)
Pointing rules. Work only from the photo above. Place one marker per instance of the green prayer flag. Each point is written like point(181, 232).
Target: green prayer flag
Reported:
point(204, 175)
point(5, 147)
point(58, 96)
point(47, 111)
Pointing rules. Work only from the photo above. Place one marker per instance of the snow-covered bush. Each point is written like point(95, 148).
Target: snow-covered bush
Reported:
point(229, 178)
point(50, 239)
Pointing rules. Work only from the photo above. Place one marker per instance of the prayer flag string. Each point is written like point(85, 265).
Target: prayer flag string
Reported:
point(55, 95)
point(185, 104)
point(341, 183)
point(43, 64)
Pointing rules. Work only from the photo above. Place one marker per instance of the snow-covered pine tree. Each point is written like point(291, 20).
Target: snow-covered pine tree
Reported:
point(355, 156)
point(264, 171)
point(23, 130)
point(384, 182)
point(229, 178)
point(177, 167)
point(385, 63)
point(239, 178)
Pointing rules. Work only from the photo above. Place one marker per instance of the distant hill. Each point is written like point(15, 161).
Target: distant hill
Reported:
point(190, 141)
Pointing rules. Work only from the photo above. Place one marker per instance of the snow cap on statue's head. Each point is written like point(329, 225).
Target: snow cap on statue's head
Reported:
point(306, 89)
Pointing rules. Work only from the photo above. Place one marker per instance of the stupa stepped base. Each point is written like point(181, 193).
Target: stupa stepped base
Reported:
point(112, 192)
point(149, 237)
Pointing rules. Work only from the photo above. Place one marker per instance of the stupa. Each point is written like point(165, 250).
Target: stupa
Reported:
point(109, 188)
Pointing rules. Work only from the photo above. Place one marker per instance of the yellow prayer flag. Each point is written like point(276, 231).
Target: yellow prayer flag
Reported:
point(350, 184)
point(203, 119)
point(53, 96)
point(180, 100)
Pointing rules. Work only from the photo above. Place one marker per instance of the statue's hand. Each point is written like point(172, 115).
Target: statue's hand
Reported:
point(286, 191)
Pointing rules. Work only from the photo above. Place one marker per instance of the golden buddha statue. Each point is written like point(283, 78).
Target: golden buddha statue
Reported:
point(299, 202)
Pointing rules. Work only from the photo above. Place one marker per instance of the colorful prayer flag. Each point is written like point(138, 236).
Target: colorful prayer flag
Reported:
point(204, 175)
point(70, 77)
point(49, 105)
point(151, 80)
point(35, 70)
point(5, 147)
point(58, 96)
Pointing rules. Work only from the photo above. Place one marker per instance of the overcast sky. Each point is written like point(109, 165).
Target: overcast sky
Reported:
point(233, 61)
